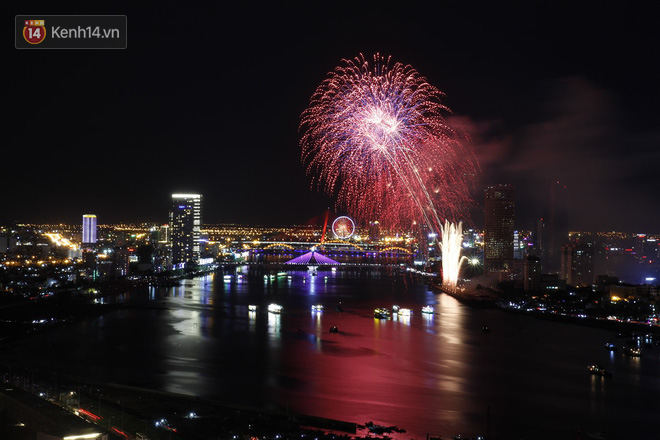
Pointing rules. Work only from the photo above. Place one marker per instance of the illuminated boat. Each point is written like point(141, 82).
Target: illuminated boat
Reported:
point(633, 352)
point(275, 308)
point(428, 310)
point(317, 308)
point(252, 308)
point(381, 313)
point(597, 370)
point(395, 308)
point(405, 312)
point(611, 347)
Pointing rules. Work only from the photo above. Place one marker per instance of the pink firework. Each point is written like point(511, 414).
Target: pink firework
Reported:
point(374, 137)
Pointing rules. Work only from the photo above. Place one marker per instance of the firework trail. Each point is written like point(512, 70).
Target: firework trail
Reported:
point(374, 137)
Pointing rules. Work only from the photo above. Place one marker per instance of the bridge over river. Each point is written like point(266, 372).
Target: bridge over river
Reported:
point(337, 251)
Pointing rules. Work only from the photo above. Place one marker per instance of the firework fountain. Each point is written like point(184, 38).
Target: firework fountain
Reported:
point(451, 245)
point(374, 136)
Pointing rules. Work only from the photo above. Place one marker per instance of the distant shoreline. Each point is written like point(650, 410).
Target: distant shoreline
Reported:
point(489, 302)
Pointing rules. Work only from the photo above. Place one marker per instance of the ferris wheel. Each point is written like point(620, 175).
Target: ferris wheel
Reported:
point(343, 227)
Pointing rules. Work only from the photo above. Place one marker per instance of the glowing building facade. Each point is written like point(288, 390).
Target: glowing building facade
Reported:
point(89, 229)
point(498, 232)
point(185, 229)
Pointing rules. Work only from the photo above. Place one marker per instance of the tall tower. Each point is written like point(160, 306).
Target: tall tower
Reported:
point(185, 229)
point(583, 265)
point(557, 226)
point(539, 239)
point(89, 229)
point(566, 263)
point(498, 232)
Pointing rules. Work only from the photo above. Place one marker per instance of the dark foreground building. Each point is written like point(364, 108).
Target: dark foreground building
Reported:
point(499, 214)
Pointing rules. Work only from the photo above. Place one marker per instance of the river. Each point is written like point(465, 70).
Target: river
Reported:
point(439, 374)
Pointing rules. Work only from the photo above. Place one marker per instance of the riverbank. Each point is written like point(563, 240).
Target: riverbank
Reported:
point(127, 411)
point(482, 299)
point(489, 299)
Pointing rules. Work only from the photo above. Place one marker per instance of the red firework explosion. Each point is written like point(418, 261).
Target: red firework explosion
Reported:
point(374, 137)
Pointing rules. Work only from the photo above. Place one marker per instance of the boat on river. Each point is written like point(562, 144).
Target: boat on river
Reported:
point(611, 347)
point(275, 308)
point(632, 351)
point(597, 370)
point(381, 313)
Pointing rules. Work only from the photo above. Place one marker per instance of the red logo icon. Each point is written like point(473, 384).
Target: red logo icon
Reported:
point(34, 31)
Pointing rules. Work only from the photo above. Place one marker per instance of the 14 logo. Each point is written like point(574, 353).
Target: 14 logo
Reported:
point(34, 31)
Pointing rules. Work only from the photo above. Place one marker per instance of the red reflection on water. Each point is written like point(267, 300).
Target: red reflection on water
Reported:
point(393, 372)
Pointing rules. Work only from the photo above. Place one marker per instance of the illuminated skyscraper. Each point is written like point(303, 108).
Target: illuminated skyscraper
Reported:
point(89, 229)
point(185, 229)
point(498, 232)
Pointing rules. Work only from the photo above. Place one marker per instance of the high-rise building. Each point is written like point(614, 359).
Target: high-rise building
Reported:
point(577, 266)
point(498, 232)
point(557, 226)
point(89, 229)
point(565, 268)
point(539, 239)
point(185, 229)
point(159, 235)
point(532, 274)
point(583, 265)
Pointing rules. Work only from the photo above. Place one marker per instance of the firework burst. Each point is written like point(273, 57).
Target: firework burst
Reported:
point(374, 137)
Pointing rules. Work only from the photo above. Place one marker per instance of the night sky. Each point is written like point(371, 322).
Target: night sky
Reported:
point(207, 98)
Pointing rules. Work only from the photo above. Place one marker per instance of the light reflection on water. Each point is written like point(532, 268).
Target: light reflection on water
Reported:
point(426, 373)
point(403, 319)
point(189, 322)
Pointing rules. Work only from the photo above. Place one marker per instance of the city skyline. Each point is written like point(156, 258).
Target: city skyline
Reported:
point(312, 220)
point(535, 87)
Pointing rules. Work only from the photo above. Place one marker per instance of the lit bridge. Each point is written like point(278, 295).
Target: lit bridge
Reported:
point(329, 252)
